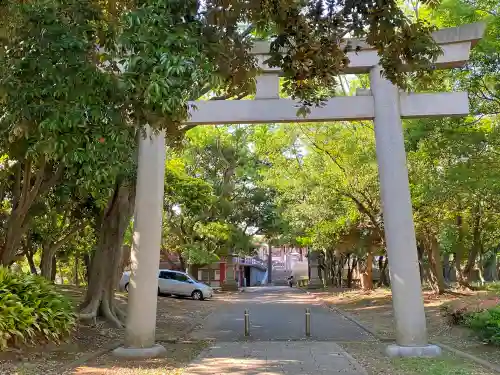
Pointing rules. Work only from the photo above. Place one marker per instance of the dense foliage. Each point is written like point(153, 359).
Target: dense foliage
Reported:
point(32, 310)
point(487, 325)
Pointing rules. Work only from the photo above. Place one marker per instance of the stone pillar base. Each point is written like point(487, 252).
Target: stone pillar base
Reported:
point(229, 286)
point(413, 351)
point(153, 352)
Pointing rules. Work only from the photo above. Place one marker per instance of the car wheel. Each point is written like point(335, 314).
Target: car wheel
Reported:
point(159, 292)
point(126, 287)
point(197, 295)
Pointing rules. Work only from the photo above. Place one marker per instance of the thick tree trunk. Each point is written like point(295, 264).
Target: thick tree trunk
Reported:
point(27, 188)
point(367, 273)
point(436, 268)
point(105, 267)
point(490, 268)
point(16, 228)
point(47, 263)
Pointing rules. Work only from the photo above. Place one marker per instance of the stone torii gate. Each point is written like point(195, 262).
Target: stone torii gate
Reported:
point(384, 104)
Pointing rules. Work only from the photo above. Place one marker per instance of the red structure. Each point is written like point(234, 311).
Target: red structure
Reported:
point(222, 270)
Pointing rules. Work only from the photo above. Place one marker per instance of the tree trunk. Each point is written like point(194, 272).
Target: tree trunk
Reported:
point(27, 188)
point(16, 228)
point(50, 249)
point(382, 266)
point(77, 279)
point(47, 266)
point(436, 268)
point(420, 254)
point(385, 280)
point(182, 262)
point(350, 268)
point(367, 273)
point(447, 267)
point(105, 266)
point(86, 263)
point(31, 263)
point(459, 254)
point(53, 274)
point(476, 244)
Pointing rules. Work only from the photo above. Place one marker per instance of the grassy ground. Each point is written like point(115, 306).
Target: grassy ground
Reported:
point(175, 318)
point(373, 358)
point(374, 309)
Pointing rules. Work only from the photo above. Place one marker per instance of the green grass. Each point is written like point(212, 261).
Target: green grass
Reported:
point(372, 356)
point(428, 366)
point(493, 287)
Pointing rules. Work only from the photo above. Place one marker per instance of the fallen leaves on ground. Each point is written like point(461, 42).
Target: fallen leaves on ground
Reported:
point(177, 356)
point(374, 309)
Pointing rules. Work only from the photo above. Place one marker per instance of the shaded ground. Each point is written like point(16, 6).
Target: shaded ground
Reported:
point(277, 314)
point(375, 310)
point(179, 355)
point(175, 318)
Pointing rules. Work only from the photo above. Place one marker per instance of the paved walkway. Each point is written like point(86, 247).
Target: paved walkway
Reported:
point(273, 358)
point(277, 342)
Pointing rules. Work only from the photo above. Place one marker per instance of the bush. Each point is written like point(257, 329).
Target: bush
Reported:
point(458, 311)
point(31, 310)
point(486, 324)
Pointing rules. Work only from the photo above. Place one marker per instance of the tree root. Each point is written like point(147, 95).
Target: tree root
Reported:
point(122, 315)
point(102, 307)
point(89, 311)
point(109, 315)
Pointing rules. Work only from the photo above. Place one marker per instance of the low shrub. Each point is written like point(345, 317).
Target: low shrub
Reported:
point(486, 324)
point(458, 311)
point(31, 310)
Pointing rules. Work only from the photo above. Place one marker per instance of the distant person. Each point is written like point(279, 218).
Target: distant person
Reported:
point(290, 281)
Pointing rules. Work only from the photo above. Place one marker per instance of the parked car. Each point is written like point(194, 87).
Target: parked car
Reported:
point(175, 283)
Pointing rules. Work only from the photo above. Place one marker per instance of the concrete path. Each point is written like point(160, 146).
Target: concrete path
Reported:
point(277, 342)
point(275, 358)
point(277, 314)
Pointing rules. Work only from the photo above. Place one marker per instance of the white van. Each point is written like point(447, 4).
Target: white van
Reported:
point(175, 283)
